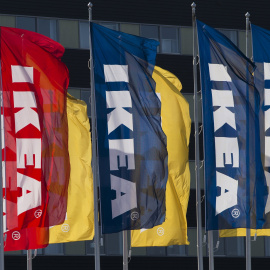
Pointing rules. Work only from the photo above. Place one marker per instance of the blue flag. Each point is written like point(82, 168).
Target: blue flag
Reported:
point(235, 185)
point(261, 55)
point(132, 147)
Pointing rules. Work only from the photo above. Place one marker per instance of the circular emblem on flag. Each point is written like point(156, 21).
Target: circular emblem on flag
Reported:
point(16, 235)
point(160, 231)
point(235, 213)
point(134, 215)
point(65, 228)
point(38, 213)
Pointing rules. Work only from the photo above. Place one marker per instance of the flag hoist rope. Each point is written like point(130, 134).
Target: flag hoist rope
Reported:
point(197, 158)
point(94, 147)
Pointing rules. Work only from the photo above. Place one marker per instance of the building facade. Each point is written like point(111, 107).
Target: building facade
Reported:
point(170, 23)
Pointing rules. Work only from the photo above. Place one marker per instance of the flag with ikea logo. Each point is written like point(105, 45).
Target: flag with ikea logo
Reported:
point(261, 56)
point(132, 147)
point(176, 124)
point(79, 221)
point(235, 185)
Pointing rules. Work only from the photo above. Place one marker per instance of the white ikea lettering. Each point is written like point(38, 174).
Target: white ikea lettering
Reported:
point(219, 73)
point(125, 202)
point(116, 73)
point(26, 116)
point(22, 74)
point(28, 151)
point(267, 151)
point(119, 116)
point(31, 193)
point(228, 147)
point(266, 68)
point(267, 206)
point(267, 138)
point(267, 122)
point(31, 148)
point(121, 148)
point(222, 115)
point(228, 193)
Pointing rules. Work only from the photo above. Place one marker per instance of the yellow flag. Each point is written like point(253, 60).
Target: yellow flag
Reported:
point(242, 232)
point(176, 124)
point(79, 223)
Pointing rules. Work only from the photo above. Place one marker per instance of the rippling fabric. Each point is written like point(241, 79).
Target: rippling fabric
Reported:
point(132, 148)
point(235, 185)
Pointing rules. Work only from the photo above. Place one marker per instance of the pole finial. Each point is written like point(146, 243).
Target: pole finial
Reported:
point(247, 15)
point(193, 5)
point(90, 5)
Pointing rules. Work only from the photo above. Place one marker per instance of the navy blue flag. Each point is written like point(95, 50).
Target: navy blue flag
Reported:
point(235, 185)
point(261, 55)
point(132, 147)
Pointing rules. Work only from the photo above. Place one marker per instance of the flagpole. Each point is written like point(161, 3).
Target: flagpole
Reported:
point(125, 250)
point(2, 267)
point(197, 159)
point(211, 250)
point(248, 241)
point(94, 147)
point(29, 259)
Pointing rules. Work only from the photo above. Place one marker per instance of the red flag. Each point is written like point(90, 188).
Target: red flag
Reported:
point(34, 83)
point(25, 239)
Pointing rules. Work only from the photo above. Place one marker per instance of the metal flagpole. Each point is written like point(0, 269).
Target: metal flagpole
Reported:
point(1, 185)
point(211, 250)
point(248, 242)
point(125, 250)
point(197, 166)
point(94, 147)
point(29, 259)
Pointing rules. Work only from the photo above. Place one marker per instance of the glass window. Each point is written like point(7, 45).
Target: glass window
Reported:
point(113, 26)
point(54, 249)
point(113, 244)
point(149, 31)
point(75, 92)
point(47, 28)
point(193, 175)
point(15, 252)
point(242, 43)
point(169, 40)
point(156, 251)
point(177, 250)
point(75, 248)
point(8, 21)
point(267, 246)
point(90, 245)
point(235, 246)
point(133, 29)
point(138, 251)
point(257, 247)
point(190, 100)
point(230, 34)
point(27, 23)
point(39, 252)
point(84, 35)
point(186, 38)
point(85, 96)
point(192, 238)
point(69, 33)
point(219, 248)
